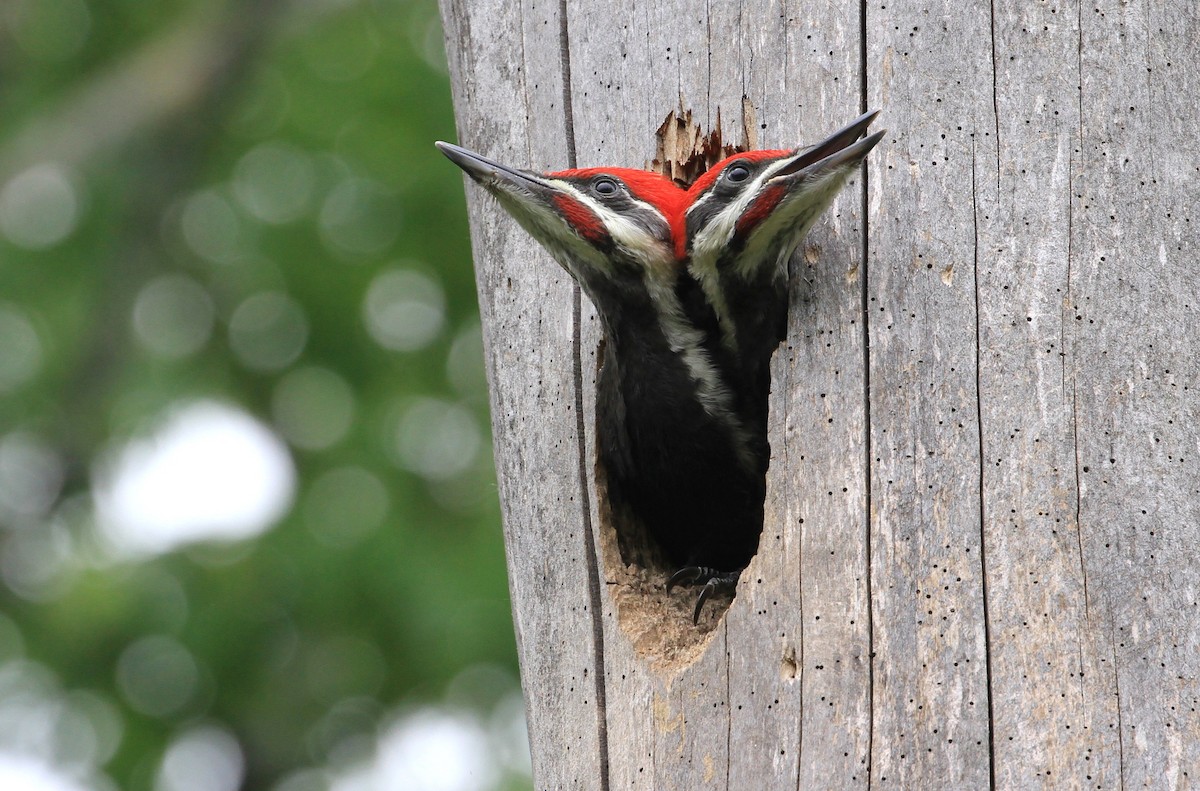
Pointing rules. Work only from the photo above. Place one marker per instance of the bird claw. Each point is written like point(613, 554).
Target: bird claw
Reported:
point(713, 581)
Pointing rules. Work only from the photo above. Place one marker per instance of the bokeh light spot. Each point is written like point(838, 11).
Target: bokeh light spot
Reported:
point(21, 351)
point(157, 675)
point(72, 733)
point(404, 310)
point(428, 750)
point(47, 31)
point(36, 562)
point(268, 331)
point(437, 439)
point(210, 227)
point(344, 505)
point(207, 758)
point(99, 740)
point(510, 734)
point(313, 407)
point(464, 363)
point(344, 735)
point(359, 216)
point(426, 36)
point(274, 182)
point(210, 472)
point(31, 476)
point(39, 207)
point(173, 316)
point(22, 773)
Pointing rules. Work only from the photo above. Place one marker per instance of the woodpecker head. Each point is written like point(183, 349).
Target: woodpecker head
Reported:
point(752, 209)
point(612, 229)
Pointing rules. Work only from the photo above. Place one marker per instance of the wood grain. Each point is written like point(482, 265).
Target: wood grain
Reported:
point(509, 80)
point(976, 569)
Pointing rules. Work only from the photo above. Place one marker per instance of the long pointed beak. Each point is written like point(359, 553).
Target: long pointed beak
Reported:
point(485, 170)
point(833, 152)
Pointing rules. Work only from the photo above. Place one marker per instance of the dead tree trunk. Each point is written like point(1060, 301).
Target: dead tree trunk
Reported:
point(978, 562)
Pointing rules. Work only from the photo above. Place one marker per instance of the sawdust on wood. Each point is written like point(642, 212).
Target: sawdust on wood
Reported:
point(658, 625)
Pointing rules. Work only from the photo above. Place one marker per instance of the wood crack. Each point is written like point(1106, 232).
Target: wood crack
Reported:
point(867, 469)
point(983, 570)
point(589, 532)
point(1117, 688)
point(1087, 615)
point(728, 704)
point(995, 94)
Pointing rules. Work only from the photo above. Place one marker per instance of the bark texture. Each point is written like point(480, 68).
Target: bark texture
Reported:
point(977, 568)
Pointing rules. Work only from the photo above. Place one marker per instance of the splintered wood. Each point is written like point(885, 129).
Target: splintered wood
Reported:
point(683, 151)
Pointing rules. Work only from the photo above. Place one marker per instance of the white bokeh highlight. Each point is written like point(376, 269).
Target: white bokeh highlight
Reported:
point(268, 331)
point(209, 472)
point(157, 675)
point(345, 505)
point(210, 227)
point(31, 477)
point(465, 364)
point(359, 217)
point(431, 749)
point(207, 758)
point(47, 31)
point(51, 739)
point(22, 773)
point(313, 407)
point(437, 439)
point(274, 182)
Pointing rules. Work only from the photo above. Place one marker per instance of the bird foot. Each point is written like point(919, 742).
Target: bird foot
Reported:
point(712, 580)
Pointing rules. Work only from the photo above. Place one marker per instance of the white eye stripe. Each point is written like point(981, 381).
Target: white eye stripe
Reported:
point(623, 230)
point(711, 241)
point(719, 230)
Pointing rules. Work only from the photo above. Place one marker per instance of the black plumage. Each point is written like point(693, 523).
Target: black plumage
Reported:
point(691, 290)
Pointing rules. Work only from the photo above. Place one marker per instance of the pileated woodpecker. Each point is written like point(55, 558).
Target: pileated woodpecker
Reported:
point(745, 217)
point(691, 290)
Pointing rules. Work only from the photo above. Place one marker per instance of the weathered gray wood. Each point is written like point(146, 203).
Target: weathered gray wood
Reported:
point(984, 496)
point(1015, 182)
point(1131, 298)
point(1047, 637)
point(930, 68)
point(504, 60)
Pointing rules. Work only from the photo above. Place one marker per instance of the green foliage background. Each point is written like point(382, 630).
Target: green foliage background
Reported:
point(149, 107)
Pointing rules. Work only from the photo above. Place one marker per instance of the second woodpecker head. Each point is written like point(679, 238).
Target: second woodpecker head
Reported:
point(612, 229)
point(752, 209)
point(744, 218)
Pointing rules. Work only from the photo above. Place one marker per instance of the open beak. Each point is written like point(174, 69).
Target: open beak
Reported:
point(841, 148)
point(488, 171)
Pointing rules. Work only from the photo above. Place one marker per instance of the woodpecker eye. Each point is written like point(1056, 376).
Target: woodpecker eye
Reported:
point(605, 187)
point(738, 173)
